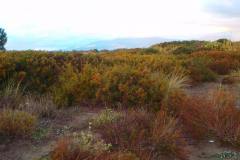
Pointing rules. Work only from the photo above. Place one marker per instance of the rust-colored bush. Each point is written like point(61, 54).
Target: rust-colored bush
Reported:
point(146, 135)
point(129, 132)
point(197, 116)
point(167, 137)
point(65, 150)
point(213, 116)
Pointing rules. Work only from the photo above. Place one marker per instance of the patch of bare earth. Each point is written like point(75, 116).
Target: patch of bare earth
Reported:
point(206, 150)
point(66, 121)
point(204, 89)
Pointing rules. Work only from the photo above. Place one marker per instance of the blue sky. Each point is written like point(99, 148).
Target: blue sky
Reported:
point(41, 24)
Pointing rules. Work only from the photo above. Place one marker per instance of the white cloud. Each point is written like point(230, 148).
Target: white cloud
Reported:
point(183, 19)
point(114, 18)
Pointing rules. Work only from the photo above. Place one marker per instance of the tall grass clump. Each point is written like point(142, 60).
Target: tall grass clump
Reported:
point(106, 116)
point(15, 123)
point(11, 95)
point(171, 88)
point(167, 138)
point(175, 84)
point(42, 106)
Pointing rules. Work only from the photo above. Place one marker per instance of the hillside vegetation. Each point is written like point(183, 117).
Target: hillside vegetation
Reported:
point(150, 115)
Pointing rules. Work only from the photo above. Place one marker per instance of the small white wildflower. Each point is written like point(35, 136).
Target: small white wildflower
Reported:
point(75, 134)
point(211, 141)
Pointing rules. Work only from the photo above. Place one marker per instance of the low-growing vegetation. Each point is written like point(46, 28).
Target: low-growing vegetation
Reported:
point(145, 112)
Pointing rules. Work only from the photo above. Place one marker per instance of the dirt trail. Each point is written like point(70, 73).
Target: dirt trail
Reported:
point(206, 151)
point(67, 122)
point(204, 88)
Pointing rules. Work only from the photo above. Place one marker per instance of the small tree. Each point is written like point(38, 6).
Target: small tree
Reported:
point(3, 39)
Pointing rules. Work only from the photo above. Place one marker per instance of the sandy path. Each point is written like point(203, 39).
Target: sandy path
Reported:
point(27, 150)
point(204, 88)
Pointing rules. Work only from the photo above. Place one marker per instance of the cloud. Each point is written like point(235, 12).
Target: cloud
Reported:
point(228, 8)
point(110, 19)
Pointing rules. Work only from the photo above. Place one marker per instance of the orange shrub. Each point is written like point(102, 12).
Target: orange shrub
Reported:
point(127, 132)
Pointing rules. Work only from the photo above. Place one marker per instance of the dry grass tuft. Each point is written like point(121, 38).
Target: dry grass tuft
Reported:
point(14, 123)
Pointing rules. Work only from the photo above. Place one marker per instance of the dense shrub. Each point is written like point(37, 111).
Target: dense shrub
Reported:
point(74, 87)
point(127, 77)
point(220, 62)
point(199, 70)
point(40, 70)
point(125, 85)
point(65, 87)
point(16, 123)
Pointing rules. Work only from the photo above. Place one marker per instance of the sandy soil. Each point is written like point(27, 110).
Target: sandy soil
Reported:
point(67, 121)
point(204, 88)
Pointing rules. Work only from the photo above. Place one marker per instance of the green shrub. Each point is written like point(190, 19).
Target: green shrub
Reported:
point(63, 91)
point(199, 70)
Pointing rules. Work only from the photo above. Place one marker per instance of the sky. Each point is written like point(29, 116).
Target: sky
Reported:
point(41, 24)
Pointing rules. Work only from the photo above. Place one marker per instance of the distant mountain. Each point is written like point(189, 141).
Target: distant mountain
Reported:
point(48, 42)
point(122, 43)
point(74, 42)
point(78, 43)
